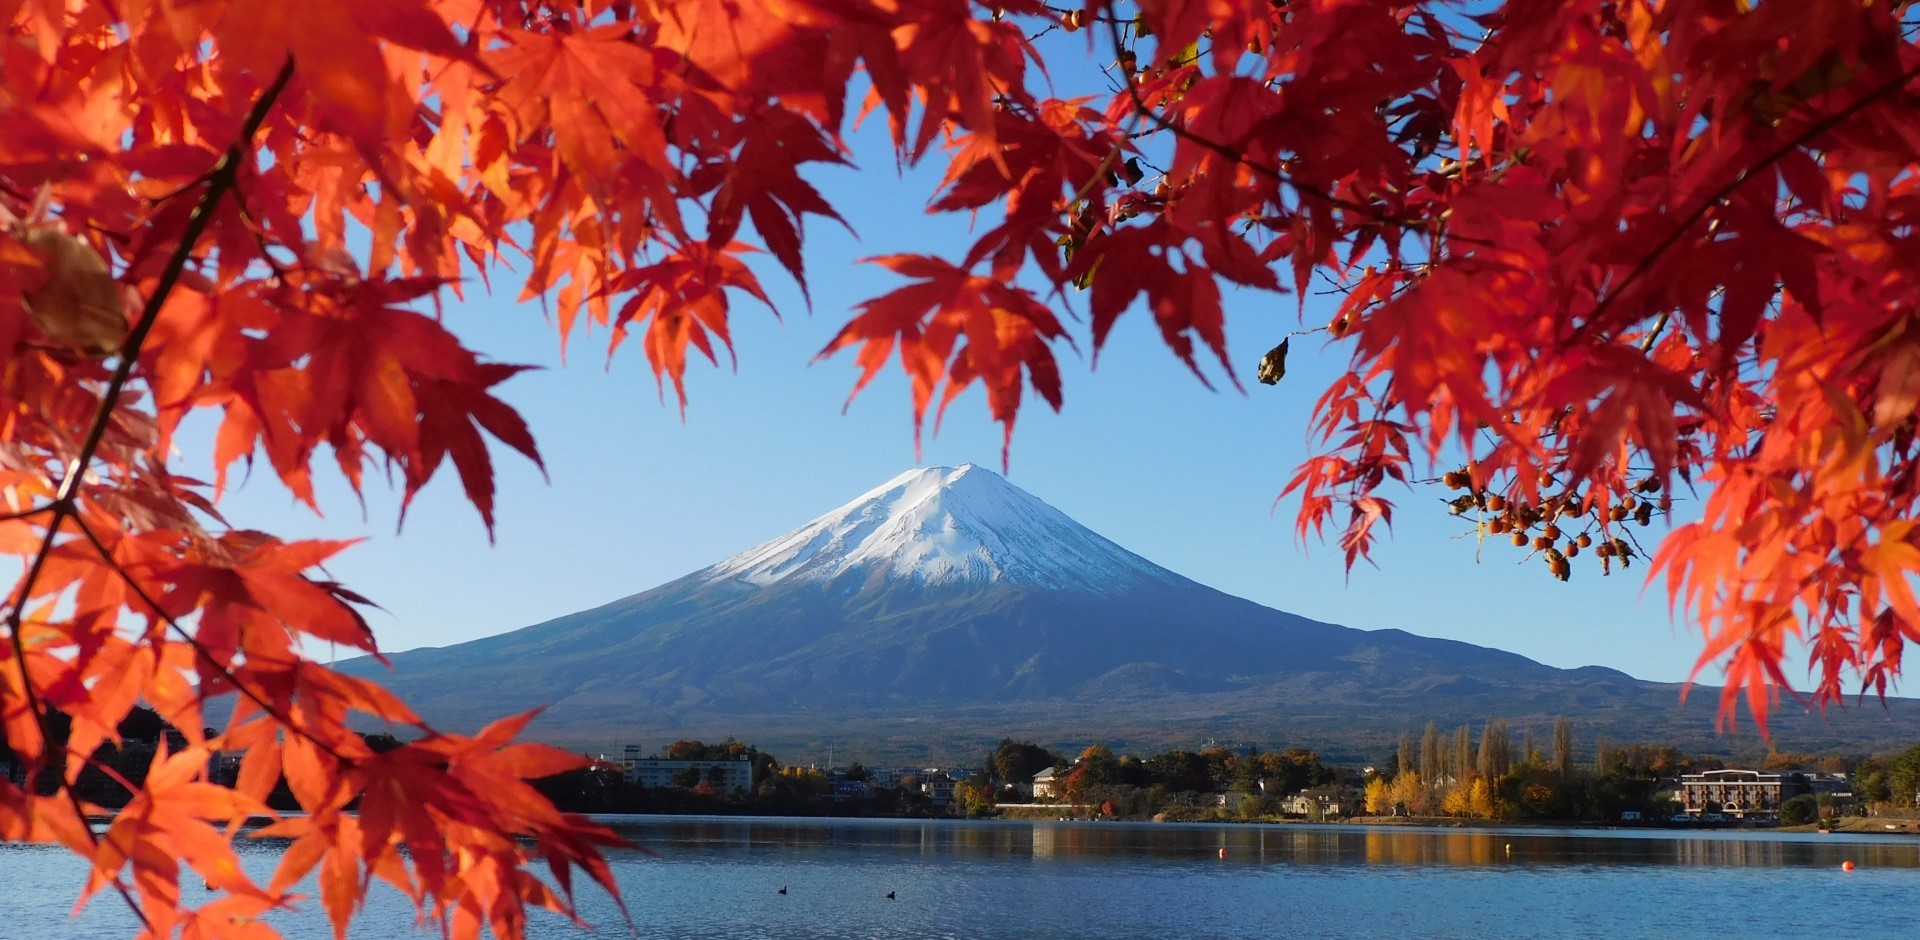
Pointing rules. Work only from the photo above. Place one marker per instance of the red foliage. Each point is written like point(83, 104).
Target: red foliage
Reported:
point(1593, 254)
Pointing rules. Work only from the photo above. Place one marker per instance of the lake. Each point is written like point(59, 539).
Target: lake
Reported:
point(720, 877)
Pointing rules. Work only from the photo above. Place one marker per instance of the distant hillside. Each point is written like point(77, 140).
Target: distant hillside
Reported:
point(949, 607)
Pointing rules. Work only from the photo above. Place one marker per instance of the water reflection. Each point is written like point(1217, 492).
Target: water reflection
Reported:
point(719, 878)
point(1341, 845)
point(1427, 848)
point(1043, 841)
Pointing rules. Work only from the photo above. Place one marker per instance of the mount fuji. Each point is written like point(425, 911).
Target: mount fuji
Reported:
point(948, 606)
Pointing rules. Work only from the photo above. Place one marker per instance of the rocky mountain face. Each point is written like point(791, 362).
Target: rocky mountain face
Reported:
point(947, 607)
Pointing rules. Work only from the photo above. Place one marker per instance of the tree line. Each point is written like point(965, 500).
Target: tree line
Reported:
point(1488, 773)
point(1491, 775)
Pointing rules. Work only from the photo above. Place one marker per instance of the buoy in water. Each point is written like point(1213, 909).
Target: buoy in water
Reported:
point(1223, 854)
point(1846, 865)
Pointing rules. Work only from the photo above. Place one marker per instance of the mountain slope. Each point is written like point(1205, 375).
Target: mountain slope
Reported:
point(949, 602)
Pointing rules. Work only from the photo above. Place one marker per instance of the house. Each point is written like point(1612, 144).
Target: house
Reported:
point(1230, 800)
point(1046, 785)
point(1835, 791)
point(1324, 802)
point(938, 787)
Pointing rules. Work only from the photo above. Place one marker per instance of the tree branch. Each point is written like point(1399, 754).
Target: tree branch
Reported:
point(140, 591)
point(1141, 109)
point(65, 504)
point(1718, 196)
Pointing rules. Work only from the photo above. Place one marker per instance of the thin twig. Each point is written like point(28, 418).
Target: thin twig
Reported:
point(1140, 108)
point(140, 591)
point(258, 231)
point(42, 713)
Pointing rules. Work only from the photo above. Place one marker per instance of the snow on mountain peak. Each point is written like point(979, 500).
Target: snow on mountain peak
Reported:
point(944, 525)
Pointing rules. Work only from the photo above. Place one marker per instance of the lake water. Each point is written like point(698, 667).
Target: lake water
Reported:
point(720, 877)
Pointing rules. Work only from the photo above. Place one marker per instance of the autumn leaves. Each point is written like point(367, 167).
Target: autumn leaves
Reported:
point(1578, 247)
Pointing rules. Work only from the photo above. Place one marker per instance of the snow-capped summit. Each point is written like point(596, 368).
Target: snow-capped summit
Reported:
point(947, 525)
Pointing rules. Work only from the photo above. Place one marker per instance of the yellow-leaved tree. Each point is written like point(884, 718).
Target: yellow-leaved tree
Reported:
point(1379, 800)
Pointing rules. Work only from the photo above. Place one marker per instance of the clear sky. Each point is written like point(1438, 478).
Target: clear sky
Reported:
point(1142, 453)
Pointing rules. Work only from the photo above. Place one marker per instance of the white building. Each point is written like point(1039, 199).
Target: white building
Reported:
point(1046, 785)
point(938, 788)
point(727, 775)
point(1742, 794)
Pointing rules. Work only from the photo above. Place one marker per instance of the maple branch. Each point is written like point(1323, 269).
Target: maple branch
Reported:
point(1222, 150)
point(140, 591)
point(1740, 179)
point(42, 714)
point(65, 504)
point(43, 720)
point(225, 176)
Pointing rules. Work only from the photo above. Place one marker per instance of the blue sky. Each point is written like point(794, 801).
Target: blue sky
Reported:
point(1142, 453)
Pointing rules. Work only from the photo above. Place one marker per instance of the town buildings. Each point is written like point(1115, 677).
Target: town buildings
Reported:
point(725, 775)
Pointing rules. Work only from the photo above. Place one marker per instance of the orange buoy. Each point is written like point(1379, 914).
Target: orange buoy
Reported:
point(1223, 854)
point(1844, 866)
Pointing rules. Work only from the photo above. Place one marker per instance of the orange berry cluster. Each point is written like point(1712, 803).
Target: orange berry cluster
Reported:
point(1538, 525)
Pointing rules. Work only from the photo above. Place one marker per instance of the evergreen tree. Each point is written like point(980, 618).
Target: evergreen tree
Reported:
point(1903, 776)
point(1017, 761)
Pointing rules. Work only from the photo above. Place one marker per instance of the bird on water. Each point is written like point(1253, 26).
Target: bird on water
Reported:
point(890, 896)
point(783, 889)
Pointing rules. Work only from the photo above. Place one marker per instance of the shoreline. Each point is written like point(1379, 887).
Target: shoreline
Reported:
point(1851, 825)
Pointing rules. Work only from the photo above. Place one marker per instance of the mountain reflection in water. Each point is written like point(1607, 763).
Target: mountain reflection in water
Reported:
point(1289, 844)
